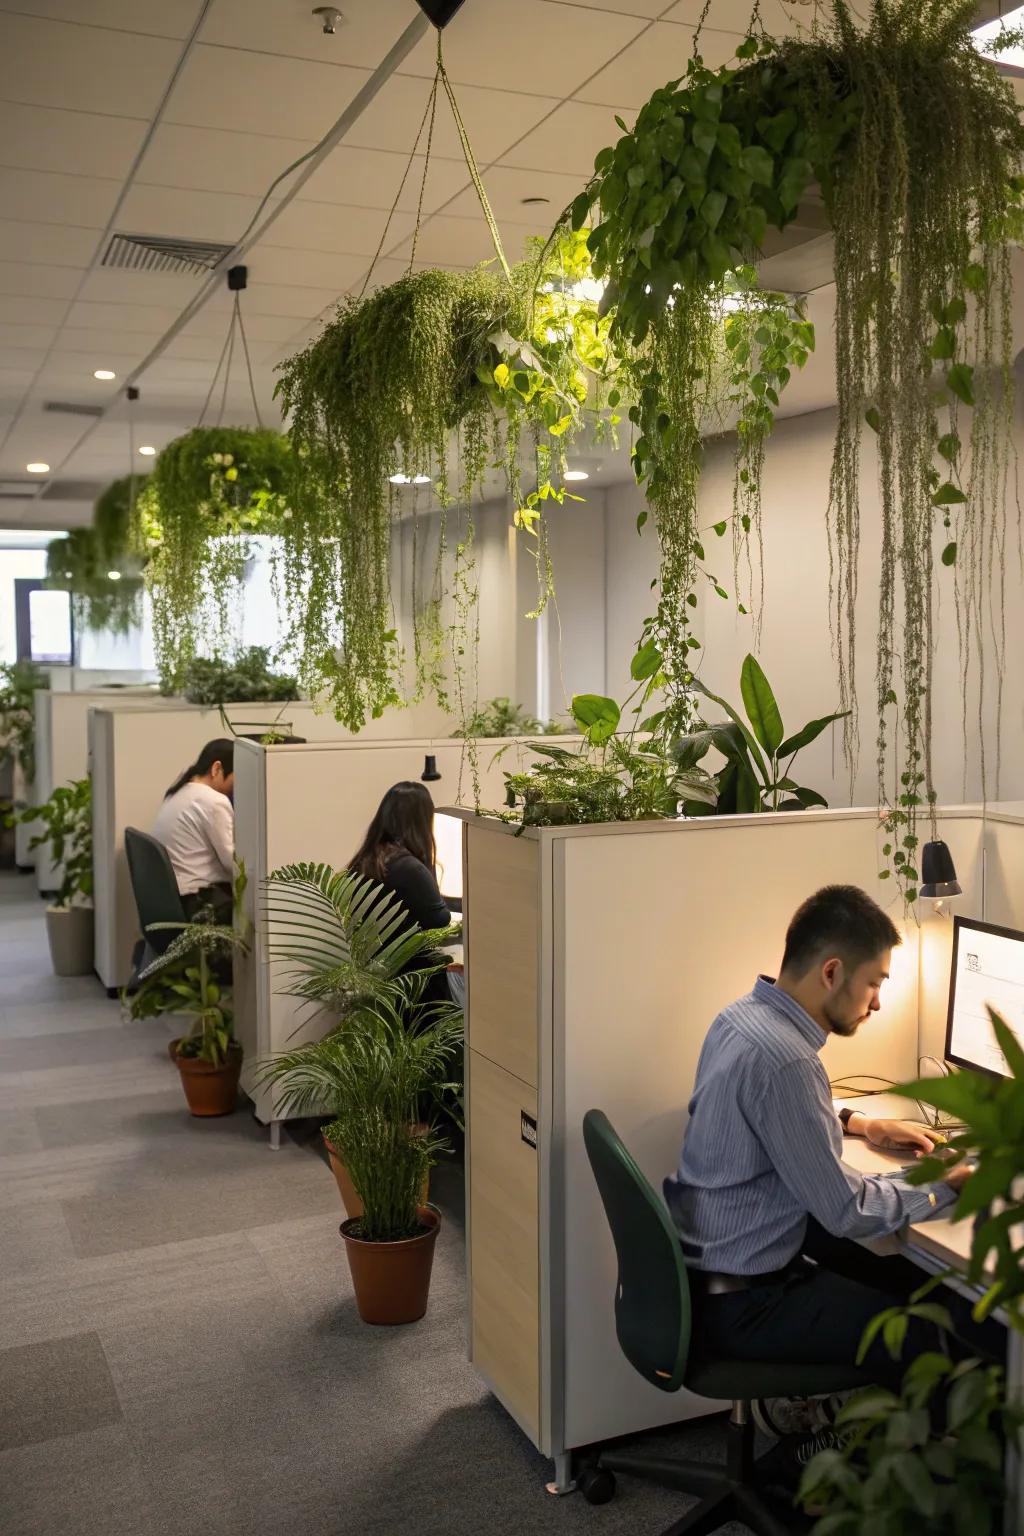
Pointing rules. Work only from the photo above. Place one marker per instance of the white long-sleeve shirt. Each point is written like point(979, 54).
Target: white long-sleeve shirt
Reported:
point(197, 827)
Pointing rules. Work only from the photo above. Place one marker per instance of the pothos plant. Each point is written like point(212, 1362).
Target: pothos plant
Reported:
point(435, 378)
point(913, 143)
point(210, 491)
point(98, 566)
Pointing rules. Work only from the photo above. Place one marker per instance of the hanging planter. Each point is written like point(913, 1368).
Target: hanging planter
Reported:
point(210, 491)
point(913, 143)
point(98, 567)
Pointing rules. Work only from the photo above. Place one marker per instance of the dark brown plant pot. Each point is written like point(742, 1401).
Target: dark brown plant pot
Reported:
point(392, 1280)
point(346, 1189)
point(210, 1090)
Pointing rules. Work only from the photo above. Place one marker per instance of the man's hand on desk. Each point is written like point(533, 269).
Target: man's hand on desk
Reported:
point(896, 1135)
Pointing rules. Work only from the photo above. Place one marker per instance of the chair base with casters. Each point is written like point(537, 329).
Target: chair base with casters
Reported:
point(653, 1323)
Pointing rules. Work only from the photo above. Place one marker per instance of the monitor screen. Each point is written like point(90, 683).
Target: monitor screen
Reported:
point(988, 968)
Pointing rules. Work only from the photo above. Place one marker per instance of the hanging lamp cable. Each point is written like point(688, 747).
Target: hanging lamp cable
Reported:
point(227, 370)
point(216, 373)
point(248, 360)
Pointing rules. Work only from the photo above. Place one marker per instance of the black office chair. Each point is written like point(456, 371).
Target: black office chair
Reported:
point(652, 1320)
point(157, 899)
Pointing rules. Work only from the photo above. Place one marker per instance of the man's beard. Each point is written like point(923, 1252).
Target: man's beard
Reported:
point(841, 1022)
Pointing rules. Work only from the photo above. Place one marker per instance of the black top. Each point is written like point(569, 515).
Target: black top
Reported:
point(416, 888)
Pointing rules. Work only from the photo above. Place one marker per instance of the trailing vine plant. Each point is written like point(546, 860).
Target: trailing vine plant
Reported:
point(210, 491)
point(98, 567)
point(913, 144)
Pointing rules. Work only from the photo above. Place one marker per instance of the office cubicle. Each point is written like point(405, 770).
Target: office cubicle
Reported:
point(136, 755)
point(313, 804)
point(597, 957)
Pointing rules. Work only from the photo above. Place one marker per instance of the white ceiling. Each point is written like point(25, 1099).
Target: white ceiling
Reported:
point(113, 117)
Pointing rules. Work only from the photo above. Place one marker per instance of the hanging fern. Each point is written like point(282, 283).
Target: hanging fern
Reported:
point(209, 492)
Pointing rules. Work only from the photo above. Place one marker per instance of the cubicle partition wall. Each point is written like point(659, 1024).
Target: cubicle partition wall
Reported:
point(313, 804)
point(596, 959)
point(62, 746)
point(136, 755)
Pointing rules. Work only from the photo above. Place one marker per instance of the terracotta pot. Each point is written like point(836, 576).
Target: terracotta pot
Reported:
point(349, 1199)
point(69, 931)
point(210, 1090)
point(392, 1280)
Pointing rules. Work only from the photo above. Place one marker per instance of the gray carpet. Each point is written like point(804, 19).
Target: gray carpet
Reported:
point(180, 1351)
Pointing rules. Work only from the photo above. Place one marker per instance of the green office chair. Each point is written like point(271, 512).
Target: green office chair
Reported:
point(652, 1320)
point(157, 899)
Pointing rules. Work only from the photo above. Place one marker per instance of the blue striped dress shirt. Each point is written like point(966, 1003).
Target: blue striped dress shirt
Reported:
point(763, 1148)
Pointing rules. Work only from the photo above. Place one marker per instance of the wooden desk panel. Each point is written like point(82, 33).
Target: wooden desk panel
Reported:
point(503, 900)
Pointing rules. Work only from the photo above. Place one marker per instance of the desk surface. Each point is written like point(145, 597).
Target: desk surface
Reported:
point(941, 1240)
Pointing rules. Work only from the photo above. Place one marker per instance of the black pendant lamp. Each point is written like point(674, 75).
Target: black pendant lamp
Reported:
point(430, 774)
point(938, 872)
point(440, 12)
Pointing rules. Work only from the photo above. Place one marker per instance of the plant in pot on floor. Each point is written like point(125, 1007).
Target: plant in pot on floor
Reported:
point(389, 1057)
point(344, 941)
point(67, 829)
point(192, 977)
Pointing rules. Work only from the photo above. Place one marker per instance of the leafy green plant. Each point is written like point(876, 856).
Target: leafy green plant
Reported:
point(67, 833)
point(759, 755)
point(375, 1072)
point(500, 717)
point(98, 568)
point(344, 938)
point(18, 683)
point(248, 679)
point(188, 978)
point(915, 143)
point(209, 491)
point(935, 1450)
point(609, 778)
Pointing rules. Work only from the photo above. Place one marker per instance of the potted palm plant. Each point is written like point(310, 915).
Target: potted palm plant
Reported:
point(344, 940)
point(378, 1070)
point(67, 829)
point(191, 977)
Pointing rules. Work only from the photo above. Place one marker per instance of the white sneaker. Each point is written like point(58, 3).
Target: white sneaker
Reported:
point(781, 1417)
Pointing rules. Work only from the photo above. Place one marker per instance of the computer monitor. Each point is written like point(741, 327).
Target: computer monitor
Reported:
point(988, 968)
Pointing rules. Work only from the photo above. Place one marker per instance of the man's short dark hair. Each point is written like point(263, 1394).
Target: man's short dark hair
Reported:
point(838, 920)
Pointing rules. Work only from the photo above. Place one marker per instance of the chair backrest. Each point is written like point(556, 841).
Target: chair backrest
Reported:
point(652, 1295)
point(157, 898)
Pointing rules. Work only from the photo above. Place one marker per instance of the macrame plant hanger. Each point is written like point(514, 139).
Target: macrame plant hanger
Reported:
point(238, 281)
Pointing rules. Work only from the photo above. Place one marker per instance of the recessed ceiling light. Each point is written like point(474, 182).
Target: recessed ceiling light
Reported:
point(421, 479)
point(104, 373)
point(399, 479)
point(146, 451)
point(576, 474)
point(38, 469)
point(113, 575)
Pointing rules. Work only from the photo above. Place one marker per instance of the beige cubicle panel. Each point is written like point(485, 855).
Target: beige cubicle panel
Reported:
point(313, 804)
point(135, 755)
point(62, 746)
point(597, 958)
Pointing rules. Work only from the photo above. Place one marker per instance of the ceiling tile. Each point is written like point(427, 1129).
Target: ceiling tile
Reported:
point(25, 279)
point(276, 299)
point(370, 178)
point(33, 337)
point(463, 242)
point(544, 48)
point(60, 245)
point(81, 143)
point(260, 93)
point(306, 269)
point(258, 328)
point(494, 120)
point(734, 16)
point(306, 226)
point(48, 198)
point(217, 160)
point(85, 69)
point(22, 311)
point(660, 54)
point(198, 215)
point(288, 29)
point(127, 319)
point(158, 18)
point(506, 186)
point(649, 8)
point(569, 138)
point(110, 285)
point(96, 343)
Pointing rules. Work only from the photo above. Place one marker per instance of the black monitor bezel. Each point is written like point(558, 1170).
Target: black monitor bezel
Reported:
point(974, 926)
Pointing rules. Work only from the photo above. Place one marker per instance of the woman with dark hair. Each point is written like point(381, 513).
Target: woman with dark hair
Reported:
point(196, 824)
point(398, 852)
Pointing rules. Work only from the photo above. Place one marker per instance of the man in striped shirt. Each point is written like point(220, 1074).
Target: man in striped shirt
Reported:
point(767, 1210)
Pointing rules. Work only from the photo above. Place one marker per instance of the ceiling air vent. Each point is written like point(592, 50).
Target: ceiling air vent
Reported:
point(68, 408)
point(72, 490)
point(157, 253)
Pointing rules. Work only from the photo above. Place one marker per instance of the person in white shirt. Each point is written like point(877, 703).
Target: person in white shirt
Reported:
point(196, 824)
